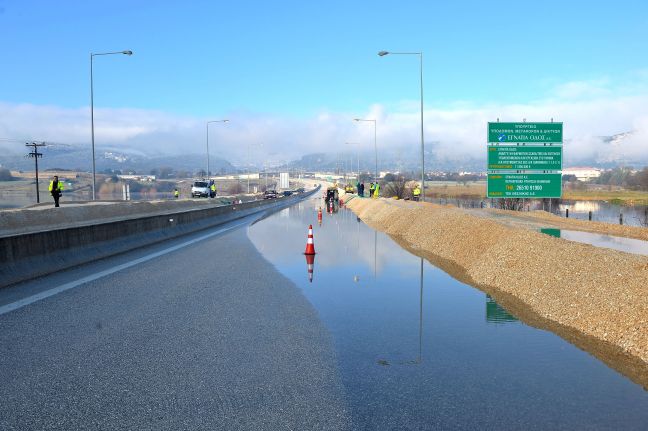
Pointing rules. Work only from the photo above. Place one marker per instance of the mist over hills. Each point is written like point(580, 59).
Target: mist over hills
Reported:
point(80, 158)
point(602, 152)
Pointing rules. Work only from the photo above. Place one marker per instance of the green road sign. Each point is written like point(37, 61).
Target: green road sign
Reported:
point(535, 158)
point(532, 133)
point(524, 185)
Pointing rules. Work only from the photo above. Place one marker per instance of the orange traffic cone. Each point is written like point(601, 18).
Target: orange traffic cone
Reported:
point(310, 247)
point(310, 261)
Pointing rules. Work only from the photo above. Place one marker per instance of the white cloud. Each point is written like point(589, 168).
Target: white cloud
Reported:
point(589, 110)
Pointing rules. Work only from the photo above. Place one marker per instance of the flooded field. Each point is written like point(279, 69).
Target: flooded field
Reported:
point(629, 245)
point(419, 350)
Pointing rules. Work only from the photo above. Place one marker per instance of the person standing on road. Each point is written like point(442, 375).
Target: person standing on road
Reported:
point(56, 189)
point(361, 190)
point(213, 191)
point(176, 193)
point(371, 189)
point(376, 192)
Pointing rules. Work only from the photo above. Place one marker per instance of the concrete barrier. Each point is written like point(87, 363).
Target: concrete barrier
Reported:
point(31, 255)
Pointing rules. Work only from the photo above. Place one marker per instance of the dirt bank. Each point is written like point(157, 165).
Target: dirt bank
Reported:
point(596, 298)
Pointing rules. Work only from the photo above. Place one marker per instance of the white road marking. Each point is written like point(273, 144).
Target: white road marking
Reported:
point(62, 288)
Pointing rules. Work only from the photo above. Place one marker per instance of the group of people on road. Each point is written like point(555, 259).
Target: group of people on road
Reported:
point(374, 189)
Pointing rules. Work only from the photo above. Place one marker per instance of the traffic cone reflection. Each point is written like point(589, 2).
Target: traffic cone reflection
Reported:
point(310, 262)
point(319, 215)
point(310, 246)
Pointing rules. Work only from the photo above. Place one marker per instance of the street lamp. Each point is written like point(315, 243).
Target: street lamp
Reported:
point(358, 153)
point(420, 54)
point(94, 172)
point(375, 145)
point(207, 127)
point(248, 164)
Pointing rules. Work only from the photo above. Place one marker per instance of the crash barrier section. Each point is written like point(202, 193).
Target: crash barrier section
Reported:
point(32, 255)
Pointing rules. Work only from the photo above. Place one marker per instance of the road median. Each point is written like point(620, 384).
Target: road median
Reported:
point(66, 244)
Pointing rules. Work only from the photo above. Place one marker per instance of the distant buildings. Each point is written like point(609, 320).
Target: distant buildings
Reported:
point(583, 173)
point(149, 178)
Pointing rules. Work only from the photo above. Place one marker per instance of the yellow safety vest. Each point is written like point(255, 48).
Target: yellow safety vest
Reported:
point(416, 191)
point(176, 193)
point(60, 185)
point(213, 187)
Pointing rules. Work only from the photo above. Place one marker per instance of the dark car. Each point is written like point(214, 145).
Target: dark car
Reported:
point(270, 194)
point(287, 193)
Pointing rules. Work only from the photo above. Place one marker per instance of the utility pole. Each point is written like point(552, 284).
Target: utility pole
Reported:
point(35, 154)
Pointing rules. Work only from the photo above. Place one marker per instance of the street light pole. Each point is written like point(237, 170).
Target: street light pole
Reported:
point(375, 145)
point(207, 127)
point(94, 171)
point(420, 54)
point(358, 154)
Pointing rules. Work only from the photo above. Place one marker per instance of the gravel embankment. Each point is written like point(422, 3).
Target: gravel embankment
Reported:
point(594, 297)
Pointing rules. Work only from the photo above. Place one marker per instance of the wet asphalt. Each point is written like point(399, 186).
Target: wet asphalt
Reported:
point(207, 337)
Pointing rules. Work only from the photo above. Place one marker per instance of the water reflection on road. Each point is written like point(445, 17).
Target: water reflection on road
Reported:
point(419, 350)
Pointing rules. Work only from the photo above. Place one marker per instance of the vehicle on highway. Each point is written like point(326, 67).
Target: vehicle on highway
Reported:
point(332, 199)
point(349, 189)
point(202, 189)
point(287, 192)
point(270, 194)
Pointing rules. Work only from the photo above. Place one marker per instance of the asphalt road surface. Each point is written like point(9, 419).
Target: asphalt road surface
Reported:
point(199, 333)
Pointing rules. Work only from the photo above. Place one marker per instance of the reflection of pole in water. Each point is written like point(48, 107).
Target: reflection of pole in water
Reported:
point(421, 314)
point(375, 251)
point(419, 358)
point(358, 231)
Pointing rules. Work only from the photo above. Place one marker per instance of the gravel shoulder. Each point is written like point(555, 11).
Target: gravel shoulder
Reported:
point(595, 298)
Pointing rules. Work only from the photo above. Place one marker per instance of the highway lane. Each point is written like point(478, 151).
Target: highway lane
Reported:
point(205, 336)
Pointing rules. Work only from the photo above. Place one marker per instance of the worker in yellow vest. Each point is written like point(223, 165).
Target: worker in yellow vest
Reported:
point(56, 189)
point(176, 193)
point(213, 190)
point(376, 193)
point(416, 193)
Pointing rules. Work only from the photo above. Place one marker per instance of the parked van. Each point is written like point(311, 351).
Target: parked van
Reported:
point(201, 189)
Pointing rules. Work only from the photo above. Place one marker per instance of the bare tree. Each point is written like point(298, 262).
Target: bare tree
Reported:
point(396, 187)
point(513, 204)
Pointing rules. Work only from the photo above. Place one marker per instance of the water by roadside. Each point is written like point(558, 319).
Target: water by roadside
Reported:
point(419, 350)
point(604, 212)
point(629, 245)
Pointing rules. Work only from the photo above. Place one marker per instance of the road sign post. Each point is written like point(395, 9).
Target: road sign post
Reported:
point(534, 158)
point(524, 160)
point(524, 185)
point(528, 133)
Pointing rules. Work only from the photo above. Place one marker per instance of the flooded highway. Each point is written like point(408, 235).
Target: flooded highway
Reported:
point(417, 349)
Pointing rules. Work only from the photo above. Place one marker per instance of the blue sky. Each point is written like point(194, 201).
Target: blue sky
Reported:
point(296, 61)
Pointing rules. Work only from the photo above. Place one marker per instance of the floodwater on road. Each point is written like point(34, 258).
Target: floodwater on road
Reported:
point(417, 349)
